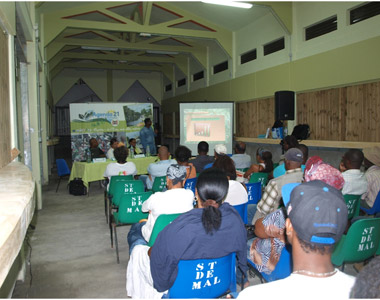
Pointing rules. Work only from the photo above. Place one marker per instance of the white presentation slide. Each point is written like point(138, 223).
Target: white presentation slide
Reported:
point(206, 121)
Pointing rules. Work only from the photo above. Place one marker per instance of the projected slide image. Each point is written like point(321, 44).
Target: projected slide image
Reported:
point(205, 127)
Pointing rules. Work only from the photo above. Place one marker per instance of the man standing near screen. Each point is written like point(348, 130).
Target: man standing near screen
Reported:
point(147, 136)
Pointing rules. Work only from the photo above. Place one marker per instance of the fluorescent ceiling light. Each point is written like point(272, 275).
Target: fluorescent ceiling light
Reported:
point(229, 3)
point(162, 52)
point(144, 34)
point(99, 48)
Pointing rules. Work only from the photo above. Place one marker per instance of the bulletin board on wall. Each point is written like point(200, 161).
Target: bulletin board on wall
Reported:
point(254, 117)
point(5, 123)
point(104, 121)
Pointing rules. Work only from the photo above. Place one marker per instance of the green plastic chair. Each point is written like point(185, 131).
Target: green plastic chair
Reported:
point(109, 194)
point(126, 187)
point(275, 165)
point(159, 184)
point(259, 177)
point(161, 222)
point(353, 205)
point(129, 212)
point(360, 243)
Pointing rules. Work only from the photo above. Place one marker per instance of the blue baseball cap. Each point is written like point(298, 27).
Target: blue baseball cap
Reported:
point(317, 211)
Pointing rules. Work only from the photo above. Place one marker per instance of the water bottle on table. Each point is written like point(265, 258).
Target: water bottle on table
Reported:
point(147, 151)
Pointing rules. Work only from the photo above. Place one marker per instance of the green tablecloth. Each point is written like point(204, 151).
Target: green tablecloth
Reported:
point(94, 171)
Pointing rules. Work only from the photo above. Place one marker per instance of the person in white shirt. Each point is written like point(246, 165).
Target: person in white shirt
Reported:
point(175, 200)
point(355, 182)
point(114, 143)
point(121, 167)
point(159, 168)
point(240, 158)
point(237, 193)
point(317, 218)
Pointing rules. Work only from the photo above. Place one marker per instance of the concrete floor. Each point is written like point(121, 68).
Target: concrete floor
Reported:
point(71, 251)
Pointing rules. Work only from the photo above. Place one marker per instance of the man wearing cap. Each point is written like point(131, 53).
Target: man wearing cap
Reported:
point(372, 164)
point(175, 200)
point(240, 158)
point(220, 149)
point(317, 218)
point(272, 193)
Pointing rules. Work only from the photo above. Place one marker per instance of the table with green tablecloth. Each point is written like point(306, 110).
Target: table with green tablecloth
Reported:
point(89, 172)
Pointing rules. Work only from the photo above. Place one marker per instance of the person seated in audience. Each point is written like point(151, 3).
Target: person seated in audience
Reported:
point(264, 163)
point(113, 145)
point(158, 169)
point(372, 165)
point(121, 166)
point(237, 192)
point(96, 152)
point(316, 220)
point(272, 192)
point(202, 158)
point(214, 229)
point(220, 149)
point(240, 158)
point(288, 142)
point(280, 169)
point(175, 200)
point(132, 146)
point(355, 182)
point(182, 155)
point(367, 283)
point(316, 169)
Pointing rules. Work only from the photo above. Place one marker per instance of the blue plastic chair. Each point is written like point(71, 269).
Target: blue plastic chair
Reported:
point(282, 270)
point(375, 208)
point(190, 184)
point(242, 209)
point(63, 170)
point(254, 192)
point(188, 283)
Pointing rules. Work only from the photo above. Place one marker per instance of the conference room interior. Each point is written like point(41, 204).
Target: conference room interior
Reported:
point(166, 53)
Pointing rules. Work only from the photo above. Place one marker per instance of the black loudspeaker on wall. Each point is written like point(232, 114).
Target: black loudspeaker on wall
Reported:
point(284, 105)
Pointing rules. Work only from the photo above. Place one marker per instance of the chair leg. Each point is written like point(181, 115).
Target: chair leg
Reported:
point(117, 245)
point(111, 233)
point(105, 205)
point(59, 181)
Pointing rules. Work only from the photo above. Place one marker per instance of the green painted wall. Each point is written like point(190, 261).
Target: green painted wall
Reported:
point(339, 67)
point(8, 16)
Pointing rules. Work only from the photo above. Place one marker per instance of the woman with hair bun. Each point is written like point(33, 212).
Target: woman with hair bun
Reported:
point(214, 229)
point(264, 165)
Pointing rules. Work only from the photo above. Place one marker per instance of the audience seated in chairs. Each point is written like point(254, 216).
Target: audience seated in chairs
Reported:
point(316, 169)
point(219, 150)
point(158, 169)
point(121, 166)
point(214, 229)
point(175, 200)
point(272, 193)
point(202, 158)
point(372, 165)
point(240, 158)
point(355, 182)
point(237, 193)
point(264, 163)
point(182, 155)
point(317, 218)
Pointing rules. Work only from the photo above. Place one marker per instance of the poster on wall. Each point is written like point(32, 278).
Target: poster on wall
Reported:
point(104, 121)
